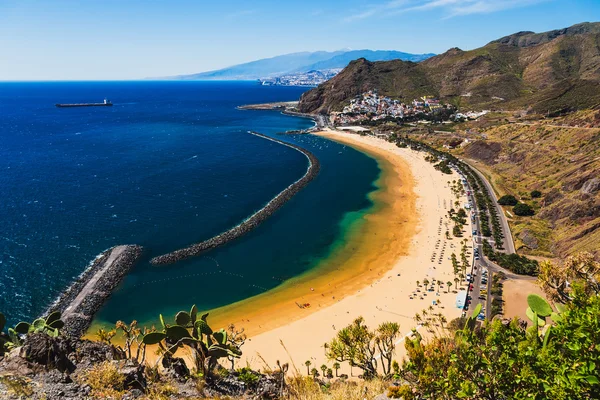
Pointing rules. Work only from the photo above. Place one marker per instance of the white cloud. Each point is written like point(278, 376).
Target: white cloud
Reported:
point(451, 8)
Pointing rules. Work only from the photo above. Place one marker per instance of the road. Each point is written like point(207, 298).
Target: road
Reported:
point(484, 263)
point(509, 244)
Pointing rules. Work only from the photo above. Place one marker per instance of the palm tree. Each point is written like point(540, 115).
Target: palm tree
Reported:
point(336, 366)
point(324, 369)
point(418, 283)
point(314, 372)
point(425, 282)
point(418, 318)
point(307, 363)
point(439, 283)
point(456, 280)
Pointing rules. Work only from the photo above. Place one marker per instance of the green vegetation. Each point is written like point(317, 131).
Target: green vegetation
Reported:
point(512, 262)
point(508, 200)
point(50, 325)
point(536, 194)
point(193, 333)
point(443, 167)
point(505, 360)
point(358, 345)
point(523, 210)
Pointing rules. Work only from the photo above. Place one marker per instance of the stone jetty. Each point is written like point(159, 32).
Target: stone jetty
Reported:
point(87, 294)
point(255, 219)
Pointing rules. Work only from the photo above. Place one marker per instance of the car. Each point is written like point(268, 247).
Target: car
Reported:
point(481, 317)
point(475, 232)
point(476, 258)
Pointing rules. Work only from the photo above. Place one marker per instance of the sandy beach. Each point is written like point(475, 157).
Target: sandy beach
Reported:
point(412, 220)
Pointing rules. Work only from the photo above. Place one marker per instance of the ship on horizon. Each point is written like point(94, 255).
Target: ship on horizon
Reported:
point(105, 103)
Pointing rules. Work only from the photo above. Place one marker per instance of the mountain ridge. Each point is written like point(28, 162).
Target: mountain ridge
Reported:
point(297, 63)
point(548, 72)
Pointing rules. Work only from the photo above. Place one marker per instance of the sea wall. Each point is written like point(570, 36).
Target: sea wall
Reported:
point(255, 219)
point(87, 294)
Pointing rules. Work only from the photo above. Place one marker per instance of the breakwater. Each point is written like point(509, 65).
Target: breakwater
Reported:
point(255, 219)
point(87, 294)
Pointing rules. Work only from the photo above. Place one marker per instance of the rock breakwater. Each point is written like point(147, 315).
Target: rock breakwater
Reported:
point(255, 219)
point(87, 294)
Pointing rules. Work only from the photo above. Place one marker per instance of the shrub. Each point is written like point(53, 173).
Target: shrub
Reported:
point(536, 194)
point(508, 200)
point(400, 392)
point(523, 210)
point(247, 376)
point(105, 381)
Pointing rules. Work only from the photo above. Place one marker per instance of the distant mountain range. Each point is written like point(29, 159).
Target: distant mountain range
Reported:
point(300, 63)
point(549, 72)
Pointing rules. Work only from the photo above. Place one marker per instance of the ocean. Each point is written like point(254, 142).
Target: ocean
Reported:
point(170, 164)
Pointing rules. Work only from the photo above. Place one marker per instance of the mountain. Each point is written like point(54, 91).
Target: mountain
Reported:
point(299, 63)
point(342, 60)
point(548, 72)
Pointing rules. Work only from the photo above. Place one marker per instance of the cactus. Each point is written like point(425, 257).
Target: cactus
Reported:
point(535, 318)
point(207, 346)
point(539, 305)
point(50, 325)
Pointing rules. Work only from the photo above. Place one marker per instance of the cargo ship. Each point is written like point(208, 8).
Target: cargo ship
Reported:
point(105, 103)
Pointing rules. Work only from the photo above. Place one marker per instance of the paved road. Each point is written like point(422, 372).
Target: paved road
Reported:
point(509, 244)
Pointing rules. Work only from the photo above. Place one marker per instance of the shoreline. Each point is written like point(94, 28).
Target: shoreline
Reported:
point(352, 264)
point(254, 220)
point(382, 292)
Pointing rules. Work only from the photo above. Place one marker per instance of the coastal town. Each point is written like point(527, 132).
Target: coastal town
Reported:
point(370, 107)
point(309, 79)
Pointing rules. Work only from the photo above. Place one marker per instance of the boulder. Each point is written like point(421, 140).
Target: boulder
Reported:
point(590, 186)
point(176, 367)
point(50, 352)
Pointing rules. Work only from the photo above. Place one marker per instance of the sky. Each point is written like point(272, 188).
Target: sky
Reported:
point(136, 39)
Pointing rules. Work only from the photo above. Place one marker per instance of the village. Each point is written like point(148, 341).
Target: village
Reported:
point(370, 107)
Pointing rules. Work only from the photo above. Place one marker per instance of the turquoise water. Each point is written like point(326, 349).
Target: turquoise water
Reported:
point(170, 164)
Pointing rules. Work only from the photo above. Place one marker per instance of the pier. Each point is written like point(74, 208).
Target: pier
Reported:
point(87, 294)
point(255, 219)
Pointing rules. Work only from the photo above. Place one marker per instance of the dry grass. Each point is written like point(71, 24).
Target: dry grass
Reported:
point(105, 381)
point(17, 385)
point(305, 388)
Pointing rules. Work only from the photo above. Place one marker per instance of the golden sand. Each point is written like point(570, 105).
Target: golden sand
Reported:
point(370, 247)
point(401, 242)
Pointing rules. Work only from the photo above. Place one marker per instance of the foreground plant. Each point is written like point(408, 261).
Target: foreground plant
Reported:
point(194, 333)
point(360, 347)
point(505, 360)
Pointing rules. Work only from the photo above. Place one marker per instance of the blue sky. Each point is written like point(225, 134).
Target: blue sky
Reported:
point(132, 39)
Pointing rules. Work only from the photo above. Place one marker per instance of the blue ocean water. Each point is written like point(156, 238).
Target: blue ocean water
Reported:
point(170, 164)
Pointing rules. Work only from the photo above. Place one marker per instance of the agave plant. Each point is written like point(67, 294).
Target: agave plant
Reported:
point(195, 333)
